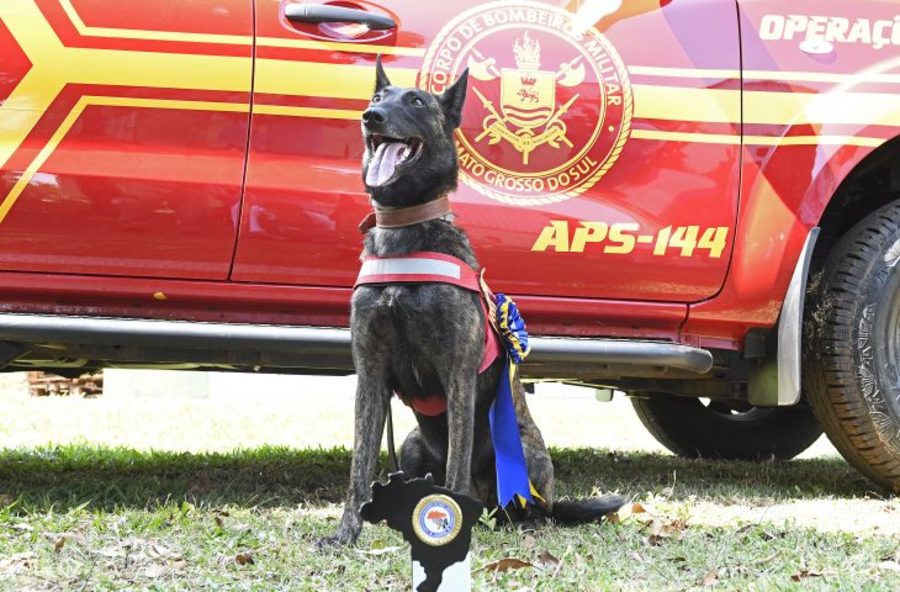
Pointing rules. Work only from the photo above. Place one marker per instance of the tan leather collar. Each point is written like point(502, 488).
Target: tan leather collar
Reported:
point(399, 217)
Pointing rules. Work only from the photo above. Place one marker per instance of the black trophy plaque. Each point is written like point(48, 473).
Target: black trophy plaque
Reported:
point(435, 521)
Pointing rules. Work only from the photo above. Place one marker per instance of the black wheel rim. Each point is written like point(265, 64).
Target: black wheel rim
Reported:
point(739, 414)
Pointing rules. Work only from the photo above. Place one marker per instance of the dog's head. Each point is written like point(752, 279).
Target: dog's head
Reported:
point(410, 156)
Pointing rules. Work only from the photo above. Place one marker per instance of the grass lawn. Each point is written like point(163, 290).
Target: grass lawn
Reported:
point(113, 494)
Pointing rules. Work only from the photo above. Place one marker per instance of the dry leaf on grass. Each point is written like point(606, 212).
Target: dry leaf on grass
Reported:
point(244, 558)
point(660, 530)
point(806, 573)
point(164, 560)
point(155, 571)
point(159, 570)
point(712, 576)
point(60, 540)
point(219, 517)
point(626, 512)
point(158, 551)
point(502, 565)
point(548, 559)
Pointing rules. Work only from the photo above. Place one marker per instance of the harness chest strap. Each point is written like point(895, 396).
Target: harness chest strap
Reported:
point(418, 267)
point(429, 267)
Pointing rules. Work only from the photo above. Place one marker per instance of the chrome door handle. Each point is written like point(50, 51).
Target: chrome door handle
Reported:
point(323, 13)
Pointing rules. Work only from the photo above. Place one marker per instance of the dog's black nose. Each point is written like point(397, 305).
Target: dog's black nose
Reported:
point(373, 116)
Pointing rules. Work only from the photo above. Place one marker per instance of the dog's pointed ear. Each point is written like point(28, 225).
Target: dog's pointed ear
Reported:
point(454, 98)
point(381, 79)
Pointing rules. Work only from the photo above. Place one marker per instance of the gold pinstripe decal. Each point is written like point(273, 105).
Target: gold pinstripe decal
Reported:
point(313, 112)
point(86, 31)
point(684, 72)
point(781, 76)
point(735, 139)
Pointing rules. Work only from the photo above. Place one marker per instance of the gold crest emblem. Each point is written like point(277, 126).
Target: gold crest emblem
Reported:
point(530, 117)
point(551, 104)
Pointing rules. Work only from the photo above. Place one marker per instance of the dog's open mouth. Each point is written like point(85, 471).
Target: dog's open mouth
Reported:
point(387, 155)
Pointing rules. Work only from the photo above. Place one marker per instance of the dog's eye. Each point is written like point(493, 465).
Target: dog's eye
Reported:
point(376, 99)
point(418, 102)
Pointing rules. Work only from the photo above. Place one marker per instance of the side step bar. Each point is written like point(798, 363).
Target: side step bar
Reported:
point(564, 351)
point(319, 348)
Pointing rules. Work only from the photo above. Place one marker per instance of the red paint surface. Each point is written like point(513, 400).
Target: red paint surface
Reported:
point(205, 17)
point(212, 17)
point(311, 193)
point(128, 193)
point(14, 64)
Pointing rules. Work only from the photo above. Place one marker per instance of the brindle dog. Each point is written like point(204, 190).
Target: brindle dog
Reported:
point(423, 339)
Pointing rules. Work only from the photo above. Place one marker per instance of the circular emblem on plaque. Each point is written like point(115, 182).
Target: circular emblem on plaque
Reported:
point(437, 519)
point(549, 105)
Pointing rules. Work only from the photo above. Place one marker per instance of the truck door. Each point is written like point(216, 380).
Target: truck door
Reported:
point(599, 150)
point(123, 132)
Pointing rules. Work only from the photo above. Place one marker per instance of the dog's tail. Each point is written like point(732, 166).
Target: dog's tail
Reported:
point(584, 511)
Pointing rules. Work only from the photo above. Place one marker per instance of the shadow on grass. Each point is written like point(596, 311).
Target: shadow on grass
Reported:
point(106, 478)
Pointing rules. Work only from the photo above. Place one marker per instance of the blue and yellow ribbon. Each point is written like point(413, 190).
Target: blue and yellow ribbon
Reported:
point(512, 470)
point(512, 329)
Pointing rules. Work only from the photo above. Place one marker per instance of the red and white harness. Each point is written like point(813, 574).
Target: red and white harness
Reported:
point(428, 267)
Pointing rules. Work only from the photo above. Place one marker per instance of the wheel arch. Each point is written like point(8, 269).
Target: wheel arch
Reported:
point(775, 219)
point(870, 184)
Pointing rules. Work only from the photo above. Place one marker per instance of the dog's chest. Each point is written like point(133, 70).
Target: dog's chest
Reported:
point(416, 321)
point(419, 330)
point(424, 328)
point(409, 307)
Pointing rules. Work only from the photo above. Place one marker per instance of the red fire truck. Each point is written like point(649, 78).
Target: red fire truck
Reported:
point(693, 201)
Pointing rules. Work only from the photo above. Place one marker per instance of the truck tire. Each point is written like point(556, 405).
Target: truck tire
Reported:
point(691, 429)
point(851, 360)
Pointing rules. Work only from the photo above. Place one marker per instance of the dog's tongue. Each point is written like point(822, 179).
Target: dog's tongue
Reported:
point(383, 163)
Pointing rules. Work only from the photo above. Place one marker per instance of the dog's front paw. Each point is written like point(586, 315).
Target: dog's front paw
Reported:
point(343, 537)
